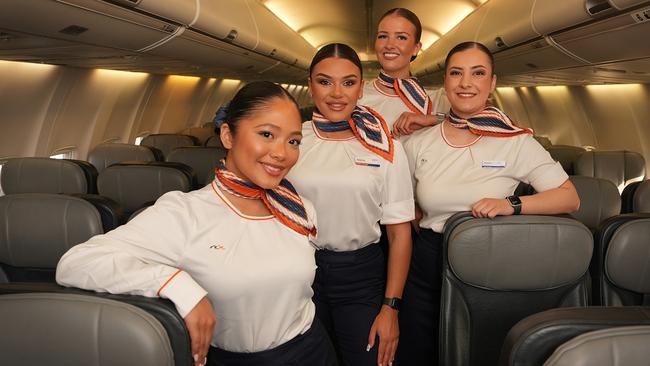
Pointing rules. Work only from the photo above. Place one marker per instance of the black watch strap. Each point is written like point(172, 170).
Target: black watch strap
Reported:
point(515, 202)
point(393, 302)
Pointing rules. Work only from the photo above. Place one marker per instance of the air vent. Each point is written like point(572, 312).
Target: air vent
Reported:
point(169, 28)
point(595, 7)
point(125, 2)
point(532, 66)
point(642, 15)
point(73, 30)
point(499, 42)
point(232, 35)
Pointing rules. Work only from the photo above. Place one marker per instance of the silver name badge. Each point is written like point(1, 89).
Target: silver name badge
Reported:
point(493, 164)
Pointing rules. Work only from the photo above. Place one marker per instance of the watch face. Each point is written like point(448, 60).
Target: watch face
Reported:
point(514, 200)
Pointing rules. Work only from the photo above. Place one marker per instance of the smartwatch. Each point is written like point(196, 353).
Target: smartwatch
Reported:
point(515, 202)
point(393, 302)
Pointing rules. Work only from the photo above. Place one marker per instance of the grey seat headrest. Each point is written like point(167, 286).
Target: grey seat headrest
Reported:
point(642, 197)
point(38, 228)
point(79, 330)
point(104, 155)
point(627, 261)
point(599, 200)
point(43, 175)
point(566, 155)
point(134, 185)
point(619, 167)
point(539, 252)
point(202, 159)
point(622, 346)
point(167, 142)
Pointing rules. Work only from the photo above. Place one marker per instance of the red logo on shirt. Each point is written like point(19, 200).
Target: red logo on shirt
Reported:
point(217, 247)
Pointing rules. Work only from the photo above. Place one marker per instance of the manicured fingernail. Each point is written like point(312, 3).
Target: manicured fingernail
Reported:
point(368, 347)
point(196, 357)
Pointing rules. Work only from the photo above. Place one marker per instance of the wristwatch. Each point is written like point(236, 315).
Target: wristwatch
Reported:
point(393, 302)
point(515, 202)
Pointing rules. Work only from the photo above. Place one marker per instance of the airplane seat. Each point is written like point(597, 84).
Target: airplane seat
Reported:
point(499, 271)
point(132, 184)
point(110, 212)
point(213, 141)
point(608, 347)
point(306, 113)
point(76, 328)
point(566, 155)
point(202, 134)
point(627, 197)
point(107, 154)
point(599, 200)
point(167, 142)
point(202, 159)
point(534, 339)
point(46, 175)
point(642, 197)
point(620, 167)
point(621, 261)
point(544, 141)
point(36, 229)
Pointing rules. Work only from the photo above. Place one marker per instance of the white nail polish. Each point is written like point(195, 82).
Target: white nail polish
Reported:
point(368, 347)
point(196, 357)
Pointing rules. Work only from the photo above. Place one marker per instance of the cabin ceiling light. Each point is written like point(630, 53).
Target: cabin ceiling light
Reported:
point(288, 16)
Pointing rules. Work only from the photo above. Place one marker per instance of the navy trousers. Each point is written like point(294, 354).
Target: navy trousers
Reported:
point(310, 348)
point(348, 292)
point(419, 317)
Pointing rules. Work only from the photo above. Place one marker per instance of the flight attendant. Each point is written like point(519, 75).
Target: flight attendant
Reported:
point(395, 94)
point(473, 161)
point(357, 177)
point(234, 257)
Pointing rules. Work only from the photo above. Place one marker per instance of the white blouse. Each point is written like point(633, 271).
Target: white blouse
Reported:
point(448, 178)
point(256, 272)
point(352, 189)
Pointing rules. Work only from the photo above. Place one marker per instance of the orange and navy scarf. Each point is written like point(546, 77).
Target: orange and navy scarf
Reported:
point(410, 91)
point(488, 122)
point(368, 127)
point(283, 202)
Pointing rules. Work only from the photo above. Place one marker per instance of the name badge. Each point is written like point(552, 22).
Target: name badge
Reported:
point(368, 161)
point(493, 164)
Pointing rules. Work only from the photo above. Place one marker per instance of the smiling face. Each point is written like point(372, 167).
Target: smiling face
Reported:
point(395, 45)
point(469, 80)
point(335, 85)
point(265, 144)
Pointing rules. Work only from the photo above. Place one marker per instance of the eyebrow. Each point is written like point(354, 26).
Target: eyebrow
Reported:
point(473, 67)
point(330, 77)
point(276, 127)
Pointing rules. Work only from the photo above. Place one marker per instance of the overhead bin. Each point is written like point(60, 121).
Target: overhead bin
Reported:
point(624, 4)
point(179, 11)
point(85, 21)
point(250, 25)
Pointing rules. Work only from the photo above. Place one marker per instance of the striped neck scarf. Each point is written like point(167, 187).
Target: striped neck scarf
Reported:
point(283, 202)
point(410, 91)
point(488, 122)
point(368, 127)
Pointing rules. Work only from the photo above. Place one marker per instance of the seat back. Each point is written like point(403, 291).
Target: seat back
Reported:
point(608, 347)
point(45, 175)
point(566, 155)
point(543, 140)
point(79, 330)
point(619, 167)
point(213, 141)
point(599, 200)
point(202, 134)
point(642, 197)
point(621, 261)
point(202, 159)
point(36, 229)
point(104, 155)
point(168, 142)
point(499, 271)
point(533, 340)
point(134, 185)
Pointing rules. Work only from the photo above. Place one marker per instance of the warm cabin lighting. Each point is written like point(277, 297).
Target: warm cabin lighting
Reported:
point(427, 39)
point(612, 87)
point(461, 11)
point(27, 65)
point(288, 16)
point(184, 78)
